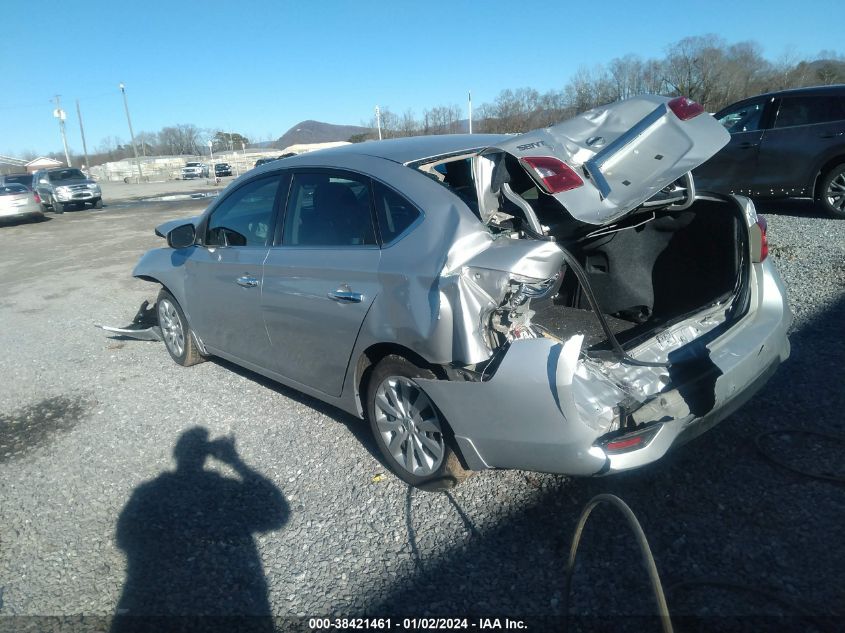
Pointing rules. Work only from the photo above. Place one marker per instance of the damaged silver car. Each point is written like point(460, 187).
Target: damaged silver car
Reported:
point(560, 301)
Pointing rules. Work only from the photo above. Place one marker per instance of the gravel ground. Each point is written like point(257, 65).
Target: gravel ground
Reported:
point(89, 425)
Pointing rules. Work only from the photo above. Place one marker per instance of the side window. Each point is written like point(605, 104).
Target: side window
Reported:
point(808, 110)
point(745, 118)
point(395, 214)
point(244, 218)
point(328, 210)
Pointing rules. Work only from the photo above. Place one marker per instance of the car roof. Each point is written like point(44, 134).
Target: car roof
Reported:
point(808, 91)
point(407, 150)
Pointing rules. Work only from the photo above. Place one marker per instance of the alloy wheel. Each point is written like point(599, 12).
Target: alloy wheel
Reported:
point(835, 193)
point(409, 425)
point(171, 327)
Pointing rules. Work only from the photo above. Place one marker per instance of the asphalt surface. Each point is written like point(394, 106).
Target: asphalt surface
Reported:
point(96, 519)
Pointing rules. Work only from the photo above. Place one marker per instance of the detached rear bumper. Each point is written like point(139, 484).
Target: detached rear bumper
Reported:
point(546, 409)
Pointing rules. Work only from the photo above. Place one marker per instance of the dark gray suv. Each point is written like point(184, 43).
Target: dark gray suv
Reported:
point(783, 144)
point(65, 186)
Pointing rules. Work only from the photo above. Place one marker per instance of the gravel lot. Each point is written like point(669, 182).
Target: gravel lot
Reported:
point(88, 422)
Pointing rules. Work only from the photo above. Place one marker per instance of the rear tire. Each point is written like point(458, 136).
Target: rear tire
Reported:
point(177, 334)
point(411, 433)
point(58, 207)
point(832, 192)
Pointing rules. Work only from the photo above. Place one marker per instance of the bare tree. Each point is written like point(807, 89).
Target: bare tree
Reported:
point(694, 67)
point(408, 125)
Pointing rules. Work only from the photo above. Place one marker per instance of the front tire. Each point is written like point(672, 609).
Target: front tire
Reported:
point(177, 335)
point(411, 433)
point(58, 207)
point(832, 192)
point(98, 203)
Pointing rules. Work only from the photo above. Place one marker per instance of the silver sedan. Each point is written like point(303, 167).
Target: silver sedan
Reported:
point(560, 301)
point(16, 202)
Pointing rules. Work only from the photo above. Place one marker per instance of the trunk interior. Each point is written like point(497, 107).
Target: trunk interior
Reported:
point(648, 273)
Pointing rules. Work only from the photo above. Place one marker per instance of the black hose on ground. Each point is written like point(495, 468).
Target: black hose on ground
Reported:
point(648, 558)
point(654, 577)
point(779, 462)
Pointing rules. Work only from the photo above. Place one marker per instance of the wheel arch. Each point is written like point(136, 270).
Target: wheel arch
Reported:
point(829, 164)
point(371, 356)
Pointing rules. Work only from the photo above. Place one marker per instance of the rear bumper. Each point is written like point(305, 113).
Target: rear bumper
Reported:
point(546, 409)
point(16, 214)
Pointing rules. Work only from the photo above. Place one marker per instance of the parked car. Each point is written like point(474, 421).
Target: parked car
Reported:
point(194, 170)
point(65, 187)
point(18, 179)
point(555, 301)
point(222, 169)
point(264, 161)
point(17, 201)
point(783, 144)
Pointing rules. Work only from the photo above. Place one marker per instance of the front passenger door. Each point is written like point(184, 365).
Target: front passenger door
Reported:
point(223, 285)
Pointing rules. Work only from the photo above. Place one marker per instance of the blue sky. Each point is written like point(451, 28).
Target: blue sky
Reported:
point(258, 67)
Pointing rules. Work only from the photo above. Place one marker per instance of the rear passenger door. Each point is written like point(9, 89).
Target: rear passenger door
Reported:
point(320, 277)
point(805, 129)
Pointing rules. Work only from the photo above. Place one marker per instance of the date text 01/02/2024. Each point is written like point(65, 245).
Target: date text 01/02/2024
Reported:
point(415, 624)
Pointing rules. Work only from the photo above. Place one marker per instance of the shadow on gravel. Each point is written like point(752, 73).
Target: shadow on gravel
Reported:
point(761, 544)
point(19, 221)
point(25, 429)
point(188, 539)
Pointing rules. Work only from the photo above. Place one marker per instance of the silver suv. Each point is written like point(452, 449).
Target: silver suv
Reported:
point(194, 170)
point(63, 186)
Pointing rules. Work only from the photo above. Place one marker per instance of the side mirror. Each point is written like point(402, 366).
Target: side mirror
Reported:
point(182, 236)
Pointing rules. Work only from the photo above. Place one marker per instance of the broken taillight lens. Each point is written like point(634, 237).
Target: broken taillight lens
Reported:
point(554, 175)
point(685, 108)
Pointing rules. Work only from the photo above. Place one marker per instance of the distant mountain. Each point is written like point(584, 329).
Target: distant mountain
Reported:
point(318, 132)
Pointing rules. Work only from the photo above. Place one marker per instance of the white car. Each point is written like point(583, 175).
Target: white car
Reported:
point(16, 201)
point(194, 170)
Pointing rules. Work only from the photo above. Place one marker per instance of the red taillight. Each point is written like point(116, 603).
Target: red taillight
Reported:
point(36, 196)
point(764, 241)
point(555, 175)
point(685, 108)
point(621, 445)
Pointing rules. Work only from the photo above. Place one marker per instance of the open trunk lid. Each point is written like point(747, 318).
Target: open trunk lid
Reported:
point(622, 154)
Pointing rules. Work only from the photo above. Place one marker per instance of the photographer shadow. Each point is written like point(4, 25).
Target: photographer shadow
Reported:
point(188, 539)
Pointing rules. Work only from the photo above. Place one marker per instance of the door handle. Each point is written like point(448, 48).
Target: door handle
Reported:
point(346, 296)
point(247, 282)
point(831, 135)
point(747, 145)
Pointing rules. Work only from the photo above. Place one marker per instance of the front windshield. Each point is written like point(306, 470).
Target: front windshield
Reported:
point(65, 174)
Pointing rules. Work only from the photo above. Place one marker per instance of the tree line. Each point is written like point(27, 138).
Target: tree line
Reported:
point(705, 68)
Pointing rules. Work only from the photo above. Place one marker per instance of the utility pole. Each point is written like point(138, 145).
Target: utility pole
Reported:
point(131, 133)
point(470, 111)
point(378, 121)
point(82, 132)
point(61, 116)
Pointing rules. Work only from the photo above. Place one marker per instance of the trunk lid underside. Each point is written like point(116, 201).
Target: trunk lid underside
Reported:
point(625, 153)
